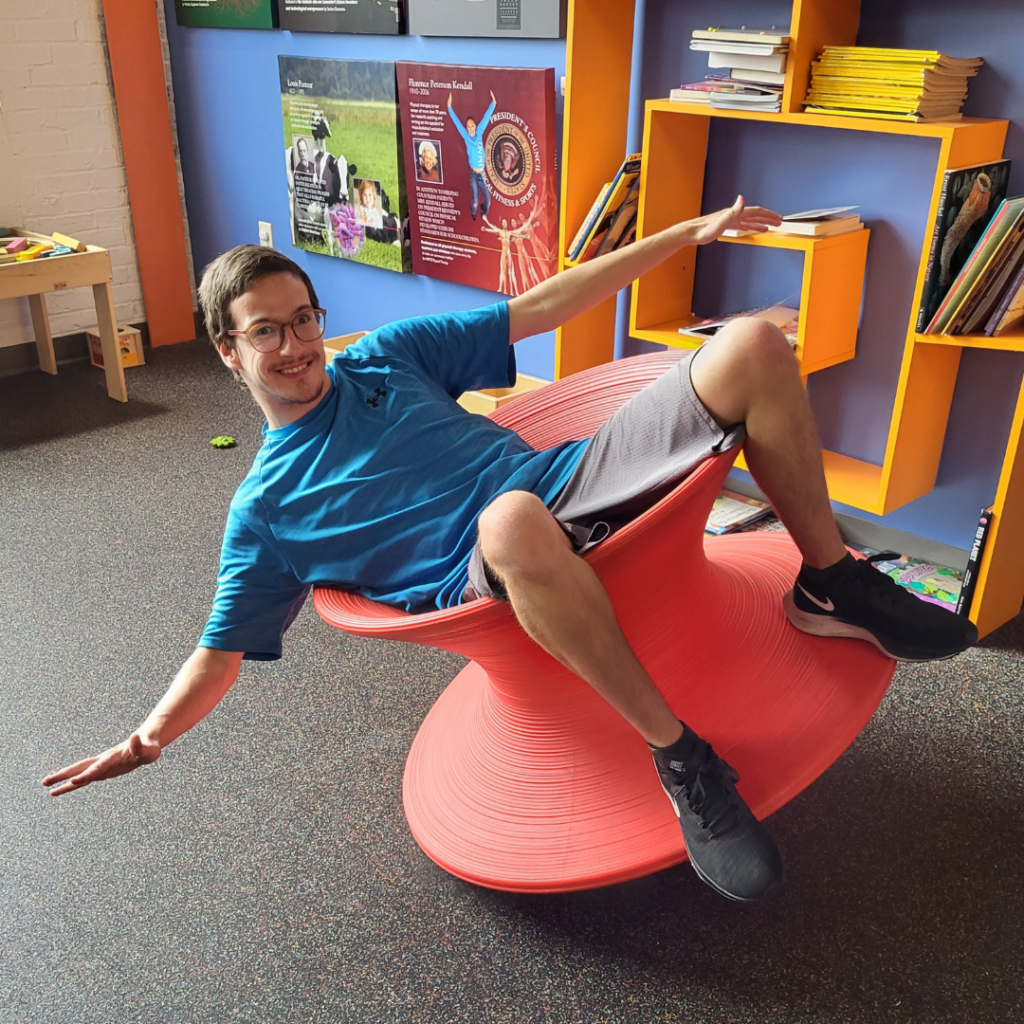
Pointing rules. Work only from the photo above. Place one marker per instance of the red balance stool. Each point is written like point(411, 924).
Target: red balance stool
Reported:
point(522, 778)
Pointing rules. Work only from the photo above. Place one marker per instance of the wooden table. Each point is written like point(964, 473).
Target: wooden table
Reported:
point(34, 278)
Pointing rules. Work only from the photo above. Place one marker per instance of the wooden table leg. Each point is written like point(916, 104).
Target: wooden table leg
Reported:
point(107, 320)
point(44, 339)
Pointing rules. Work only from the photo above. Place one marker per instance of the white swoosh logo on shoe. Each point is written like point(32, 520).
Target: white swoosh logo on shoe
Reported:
point(827, 606)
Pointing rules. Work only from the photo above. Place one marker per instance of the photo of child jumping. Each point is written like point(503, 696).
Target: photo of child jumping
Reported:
point(473, 134)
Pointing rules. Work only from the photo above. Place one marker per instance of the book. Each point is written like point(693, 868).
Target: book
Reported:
point(937, 584)
point(785, 317)
point(226, 13)
point(751, 62)
point(970, 580)
point(732, 511)
point(967, 195)
point(346, 181)
point(376, 17)
point(509, 19)
point(987, 290)
point(599, 222)
point(724, 46)
point(622, 221)
point(1001, 222)
point(480, 154)
point(743, 35)
point(758, 77)
point(590, 219)
point(1010, 308)
point(818, 228)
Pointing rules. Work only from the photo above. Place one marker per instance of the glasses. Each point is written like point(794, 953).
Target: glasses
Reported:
point(268, 336)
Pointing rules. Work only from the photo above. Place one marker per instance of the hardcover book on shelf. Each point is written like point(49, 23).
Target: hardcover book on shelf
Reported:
point(742, 35)
point(999, 226)
point(752, 62)
point(836, 220)
point(480, 153)
point(599, 218)
point(785, 317)
point(342, 155)
point(376, 17)
point(970, 575)
point(969, 197)
point(985, 294)
point(524, 19)
point(226, 13)
point(1010, 309)
point(732, 511)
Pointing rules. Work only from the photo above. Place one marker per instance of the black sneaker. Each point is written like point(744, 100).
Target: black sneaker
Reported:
point(728, 847)
point(857, 600)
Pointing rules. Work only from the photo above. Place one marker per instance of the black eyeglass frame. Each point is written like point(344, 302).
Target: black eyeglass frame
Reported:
point(321, 326)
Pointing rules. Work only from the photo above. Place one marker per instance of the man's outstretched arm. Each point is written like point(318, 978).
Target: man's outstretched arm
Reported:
point(552, 302)
point(195, 692)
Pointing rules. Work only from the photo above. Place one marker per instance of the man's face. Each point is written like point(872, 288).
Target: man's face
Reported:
point(471, 126)
point(291, 381)
point(302, 150)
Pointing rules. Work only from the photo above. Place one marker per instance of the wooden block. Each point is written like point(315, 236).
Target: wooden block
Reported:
point(489, 399)
point(72, 243)
point(18, 245)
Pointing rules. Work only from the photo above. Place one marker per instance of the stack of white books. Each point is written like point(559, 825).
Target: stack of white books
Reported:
point(753, 57)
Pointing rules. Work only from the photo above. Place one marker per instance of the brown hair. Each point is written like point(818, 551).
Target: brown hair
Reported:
point(232, 274)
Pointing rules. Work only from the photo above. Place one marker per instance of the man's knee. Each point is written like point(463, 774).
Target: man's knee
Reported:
point(518, 533)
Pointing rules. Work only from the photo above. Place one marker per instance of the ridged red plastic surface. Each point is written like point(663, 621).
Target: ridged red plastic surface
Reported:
point(521, 778)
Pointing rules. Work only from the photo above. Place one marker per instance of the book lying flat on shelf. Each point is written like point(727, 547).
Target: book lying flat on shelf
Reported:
point(836, 220)
point(742, 35)
point(967, 200)
point(937, 584)
point(751, 61)
point(762, 49)
point(758, 77)
point(732, 511)
point(786, 318)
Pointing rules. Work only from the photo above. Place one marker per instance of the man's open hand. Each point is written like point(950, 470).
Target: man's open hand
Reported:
point(738, 217)
point(119, 760)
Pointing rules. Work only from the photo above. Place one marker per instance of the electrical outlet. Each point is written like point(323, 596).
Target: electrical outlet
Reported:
point(266, 234)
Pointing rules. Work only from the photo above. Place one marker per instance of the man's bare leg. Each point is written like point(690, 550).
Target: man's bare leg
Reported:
point(748, 374)
point(562, 605)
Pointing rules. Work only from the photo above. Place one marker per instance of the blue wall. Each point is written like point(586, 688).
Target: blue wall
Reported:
point(229, 126)
point(231, 136)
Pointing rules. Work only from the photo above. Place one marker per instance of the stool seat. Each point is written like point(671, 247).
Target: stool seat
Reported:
point(522, 778)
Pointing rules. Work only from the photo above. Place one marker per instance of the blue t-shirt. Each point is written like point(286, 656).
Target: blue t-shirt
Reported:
point(378, 488)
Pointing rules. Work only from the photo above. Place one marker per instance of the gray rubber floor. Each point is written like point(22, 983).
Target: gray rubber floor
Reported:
point(262, 869)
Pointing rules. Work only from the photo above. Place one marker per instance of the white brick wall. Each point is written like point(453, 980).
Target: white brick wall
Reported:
point(61, 166)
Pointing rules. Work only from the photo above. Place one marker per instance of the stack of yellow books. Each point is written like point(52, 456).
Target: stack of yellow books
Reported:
point(903, 85)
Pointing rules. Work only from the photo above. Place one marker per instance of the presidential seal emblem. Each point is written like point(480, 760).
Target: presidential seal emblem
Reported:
point(509, 164)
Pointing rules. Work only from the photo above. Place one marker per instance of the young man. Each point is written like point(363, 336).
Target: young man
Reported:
point(472, 136)
point(373, 478)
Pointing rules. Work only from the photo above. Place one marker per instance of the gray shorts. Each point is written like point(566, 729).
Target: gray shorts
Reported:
point(658, 437)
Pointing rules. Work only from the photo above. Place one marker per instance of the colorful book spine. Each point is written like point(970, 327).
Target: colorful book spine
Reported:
point(970, 584)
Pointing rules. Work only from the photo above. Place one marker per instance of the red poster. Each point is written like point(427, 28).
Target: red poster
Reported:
point(480, 173)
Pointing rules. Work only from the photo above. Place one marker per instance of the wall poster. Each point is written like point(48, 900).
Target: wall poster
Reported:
point(380, 17)
point(343, 160)
point(226, 13)
point(480, 158)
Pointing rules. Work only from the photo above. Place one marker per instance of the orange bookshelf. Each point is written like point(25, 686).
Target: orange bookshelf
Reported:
point(599, 49)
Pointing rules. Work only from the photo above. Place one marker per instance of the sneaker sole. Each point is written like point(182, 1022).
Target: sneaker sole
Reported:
point(823, 625)
point(700, 874)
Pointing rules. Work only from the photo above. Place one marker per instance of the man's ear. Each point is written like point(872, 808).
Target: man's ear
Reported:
point(229, 356)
